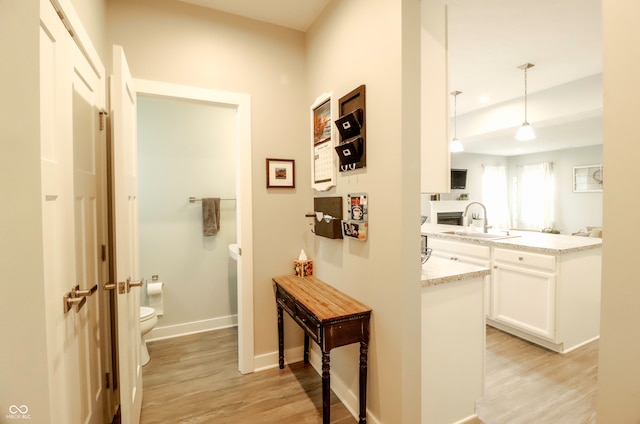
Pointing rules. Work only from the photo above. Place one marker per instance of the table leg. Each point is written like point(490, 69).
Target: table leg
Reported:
point(280, 337)
point(364, 350)
point(326, 389)
point(306, 348)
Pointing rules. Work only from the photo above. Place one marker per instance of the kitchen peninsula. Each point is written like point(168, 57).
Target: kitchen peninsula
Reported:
point(453, 339)
point(544, 288)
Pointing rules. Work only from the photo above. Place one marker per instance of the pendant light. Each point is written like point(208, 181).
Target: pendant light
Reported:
point(525, 132)
point(455, 146)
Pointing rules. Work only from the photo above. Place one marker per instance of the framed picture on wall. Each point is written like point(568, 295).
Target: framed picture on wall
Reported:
point(587, 178)
point(281, 173)
point(323, 169)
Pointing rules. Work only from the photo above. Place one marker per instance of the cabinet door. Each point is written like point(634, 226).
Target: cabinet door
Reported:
point(524, 298)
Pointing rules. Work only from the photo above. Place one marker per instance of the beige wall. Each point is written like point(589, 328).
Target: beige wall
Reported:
point(214, 50)
point(92, 15)
point(356, 42)
point(618, 396)
point(174, 42)
point(24, 378)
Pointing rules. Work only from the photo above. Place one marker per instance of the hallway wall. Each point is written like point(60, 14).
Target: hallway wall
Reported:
point(345, 49)
point(179, 43)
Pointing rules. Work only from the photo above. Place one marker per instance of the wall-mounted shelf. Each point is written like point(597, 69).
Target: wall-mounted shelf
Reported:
point(356, 226)
point(327, 223)
point(352, 127)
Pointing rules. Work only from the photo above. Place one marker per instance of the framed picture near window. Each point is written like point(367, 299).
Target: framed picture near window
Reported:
point(588, 178)
point(281, 173)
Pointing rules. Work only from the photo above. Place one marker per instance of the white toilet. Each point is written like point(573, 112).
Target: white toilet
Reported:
point(148, 320)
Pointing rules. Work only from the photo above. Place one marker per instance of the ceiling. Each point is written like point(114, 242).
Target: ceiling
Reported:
point(488, 40)
point(294, 14)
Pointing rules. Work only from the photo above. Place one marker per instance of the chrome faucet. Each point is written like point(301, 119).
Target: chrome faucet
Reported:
point(485, 225)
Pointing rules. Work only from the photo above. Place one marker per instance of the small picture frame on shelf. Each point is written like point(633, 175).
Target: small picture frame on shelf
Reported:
point(281, 173)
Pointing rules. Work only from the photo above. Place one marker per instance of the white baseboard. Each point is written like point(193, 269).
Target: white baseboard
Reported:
point(271, 360)
point(348, 398)
point(170, 331)
point(469, 419)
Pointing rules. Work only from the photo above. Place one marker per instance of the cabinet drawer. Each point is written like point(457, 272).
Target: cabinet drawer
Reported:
point(306, 319)
point(286, 302)
point(452, 248)
point(309, 322)
point(528, 259)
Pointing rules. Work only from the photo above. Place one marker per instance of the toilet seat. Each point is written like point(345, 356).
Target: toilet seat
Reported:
point(146, 313)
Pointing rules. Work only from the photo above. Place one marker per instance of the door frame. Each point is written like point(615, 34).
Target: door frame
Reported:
point(242, 104)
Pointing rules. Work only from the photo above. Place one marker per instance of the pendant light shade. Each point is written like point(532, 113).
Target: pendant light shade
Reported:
point(525, 132)
point(455, 146)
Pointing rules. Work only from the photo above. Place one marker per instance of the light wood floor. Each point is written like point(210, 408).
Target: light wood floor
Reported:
point(527, 384)
point(194, 379)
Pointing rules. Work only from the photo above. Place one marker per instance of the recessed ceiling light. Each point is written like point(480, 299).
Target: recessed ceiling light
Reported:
point(484, 99)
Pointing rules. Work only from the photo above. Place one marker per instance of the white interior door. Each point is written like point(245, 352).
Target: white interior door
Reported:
point(125, 236)
point(72, 91)
point(89, 140)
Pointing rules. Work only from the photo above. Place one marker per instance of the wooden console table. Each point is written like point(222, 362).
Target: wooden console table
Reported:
point(331, 319)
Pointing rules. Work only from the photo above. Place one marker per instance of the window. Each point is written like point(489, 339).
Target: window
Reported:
point(494, 195)
point(535, 196)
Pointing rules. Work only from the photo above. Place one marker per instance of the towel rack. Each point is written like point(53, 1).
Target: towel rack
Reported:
point(194, 199)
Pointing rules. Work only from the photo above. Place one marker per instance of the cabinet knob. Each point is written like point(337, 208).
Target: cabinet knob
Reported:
point(520, 258)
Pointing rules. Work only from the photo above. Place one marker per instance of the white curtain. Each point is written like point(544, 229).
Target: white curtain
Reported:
point(494, 195)
point(536, 197)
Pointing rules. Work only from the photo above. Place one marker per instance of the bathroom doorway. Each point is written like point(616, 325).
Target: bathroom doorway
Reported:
point(195, 143)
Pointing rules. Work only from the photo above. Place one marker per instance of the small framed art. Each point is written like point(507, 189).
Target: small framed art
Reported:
point(281, 173)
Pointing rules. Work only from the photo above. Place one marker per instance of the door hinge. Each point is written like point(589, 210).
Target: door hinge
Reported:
point(65, 23)
point(103, 252)
point(102, 115)
point(107, 379)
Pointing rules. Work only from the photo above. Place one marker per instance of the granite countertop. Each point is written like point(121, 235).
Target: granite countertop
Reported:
point(441, 271)
point(554, 244)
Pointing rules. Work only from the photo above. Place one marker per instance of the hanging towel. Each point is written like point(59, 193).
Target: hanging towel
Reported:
point(211, 216)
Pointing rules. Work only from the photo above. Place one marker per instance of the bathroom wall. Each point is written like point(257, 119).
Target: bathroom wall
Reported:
point(187, 148)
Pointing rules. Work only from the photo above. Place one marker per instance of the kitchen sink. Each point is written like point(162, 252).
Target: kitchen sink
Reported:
point(478, 235)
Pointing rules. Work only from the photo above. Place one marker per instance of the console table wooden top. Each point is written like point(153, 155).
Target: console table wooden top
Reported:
point(323, 300)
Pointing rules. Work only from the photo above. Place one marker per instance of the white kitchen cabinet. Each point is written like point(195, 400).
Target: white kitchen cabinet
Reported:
point(435, 156)
point(460, 251)
point(550, 300)
point(523, 291)
point(470, 253)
